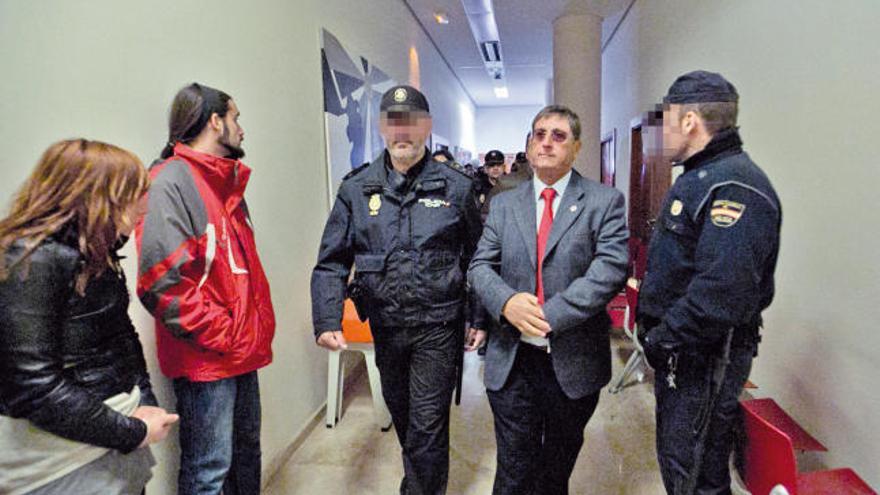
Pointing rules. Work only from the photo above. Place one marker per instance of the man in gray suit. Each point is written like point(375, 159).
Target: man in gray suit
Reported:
point(553, 253)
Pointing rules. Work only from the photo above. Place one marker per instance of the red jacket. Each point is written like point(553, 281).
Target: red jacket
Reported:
point(199, 274)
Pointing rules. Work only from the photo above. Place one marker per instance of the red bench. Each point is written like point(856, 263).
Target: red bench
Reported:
point(772, 437)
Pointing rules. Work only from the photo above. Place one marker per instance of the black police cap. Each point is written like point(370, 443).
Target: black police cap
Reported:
point(700, 87)
point(494, 156)
point(403, 98)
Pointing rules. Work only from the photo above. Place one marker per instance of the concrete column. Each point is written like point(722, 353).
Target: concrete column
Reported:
point(577, 76)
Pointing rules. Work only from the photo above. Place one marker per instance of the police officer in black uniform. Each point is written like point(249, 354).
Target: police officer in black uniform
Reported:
point(493, 169)
point(409, 225)
point(710, 274)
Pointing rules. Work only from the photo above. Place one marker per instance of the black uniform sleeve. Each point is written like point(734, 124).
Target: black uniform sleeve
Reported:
point(330, 274)
point(32, 384)
point(739, 238)
point(473, 231)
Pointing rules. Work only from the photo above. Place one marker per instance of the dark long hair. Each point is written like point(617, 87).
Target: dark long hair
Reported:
point(190, 111)
point(84, 185)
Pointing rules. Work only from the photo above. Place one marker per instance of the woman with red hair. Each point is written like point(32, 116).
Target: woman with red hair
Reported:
point(76, 407)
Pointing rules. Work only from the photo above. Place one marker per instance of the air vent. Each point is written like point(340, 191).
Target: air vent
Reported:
point(491, 52)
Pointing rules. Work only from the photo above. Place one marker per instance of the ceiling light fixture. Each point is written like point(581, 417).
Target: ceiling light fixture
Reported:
point(501, 92)
point(441, 17)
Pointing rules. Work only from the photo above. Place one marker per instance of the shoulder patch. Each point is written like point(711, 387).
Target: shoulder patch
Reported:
point(726, 213)
point(356, 171)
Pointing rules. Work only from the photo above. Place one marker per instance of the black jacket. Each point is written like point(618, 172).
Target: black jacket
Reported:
point(713, 254)
point(410, 239)
point(64, 354)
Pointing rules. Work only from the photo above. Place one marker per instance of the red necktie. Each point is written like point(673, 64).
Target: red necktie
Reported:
point(543, 233)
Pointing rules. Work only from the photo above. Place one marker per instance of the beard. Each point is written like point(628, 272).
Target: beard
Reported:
point(232, 151)
point(407, 155)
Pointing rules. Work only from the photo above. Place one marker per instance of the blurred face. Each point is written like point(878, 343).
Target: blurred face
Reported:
point(552, 147)
point(494, 170)
point(405, 134)
point(132, 215)
point(231, 133)
point(676, 131)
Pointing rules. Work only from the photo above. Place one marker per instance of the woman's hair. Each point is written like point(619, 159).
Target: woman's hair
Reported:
point(190, 111)
point(80, 187)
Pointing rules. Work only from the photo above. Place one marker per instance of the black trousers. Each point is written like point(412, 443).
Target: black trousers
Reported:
point(680, 411)
point(417, 367)
point(538, 429)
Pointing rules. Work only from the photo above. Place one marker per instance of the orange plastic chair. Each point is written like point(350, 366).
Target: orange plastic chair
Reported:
point(353, 329)
point(359, 339)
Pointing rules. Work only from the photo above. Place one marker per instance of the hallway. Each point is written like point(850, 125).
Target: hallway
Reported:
point(356, 457)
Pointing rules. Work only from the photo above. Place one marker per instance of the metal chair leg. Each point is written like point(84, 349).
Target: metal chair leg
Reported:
point(631, 364)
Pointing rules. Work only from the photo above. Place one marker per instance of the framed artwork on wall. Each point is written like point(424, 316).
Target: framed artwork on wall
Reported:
point(353, 89)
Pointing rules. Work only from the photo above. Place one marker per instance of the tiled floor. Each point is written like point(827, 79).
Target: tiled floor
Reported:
point(356, 457)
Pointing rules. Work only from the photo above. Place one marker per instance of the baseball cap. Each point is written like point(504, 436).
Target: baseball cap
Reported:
point(493, 156)
point(403, 98)
point(700, 87)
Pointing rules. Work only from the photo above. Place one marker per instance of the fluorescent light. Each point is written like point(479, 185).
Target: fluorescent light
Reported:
point(441, 18)
point(501, 92)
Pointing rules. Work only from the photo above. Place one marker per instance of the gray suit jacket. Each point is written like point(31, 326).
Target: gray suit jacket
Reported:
point(584, 267)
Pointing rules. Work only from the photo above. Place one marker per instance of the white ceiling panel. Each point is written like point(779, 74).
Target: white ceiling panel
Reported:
point(526, 31)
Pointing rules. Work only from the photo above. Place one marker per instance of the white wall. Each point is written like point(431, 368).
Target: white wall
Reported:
point(108, 70)
point(504, 128)
point(807, 75)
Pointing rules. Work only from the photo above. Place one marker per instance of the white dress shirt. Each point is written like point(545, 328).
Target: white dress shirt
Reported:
point(560, 187)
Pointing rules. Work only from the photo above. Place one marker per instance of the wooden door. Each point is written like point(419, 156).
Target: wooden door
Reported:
point(650, 174)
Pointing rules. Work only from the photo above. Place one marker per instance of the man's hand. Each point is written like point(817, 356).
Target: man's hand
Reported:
point(158, 423)
point(332, 340)
point(657, 344)
point(473, 339)
point(523, 311)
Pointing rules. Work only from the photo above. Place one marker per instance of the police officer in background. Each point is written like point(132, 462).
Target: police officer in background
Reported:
point(520, 171)
point(493, 169)
point(710, 274)
point(410, 225)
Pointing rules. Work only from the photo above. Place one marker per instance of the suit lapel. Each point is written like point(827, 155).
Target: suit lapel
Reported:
point(524, 211)
point(570, 209)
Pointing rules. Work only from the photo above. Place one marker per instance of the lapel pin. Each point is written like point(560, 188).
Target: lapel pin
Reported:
point(573, 208)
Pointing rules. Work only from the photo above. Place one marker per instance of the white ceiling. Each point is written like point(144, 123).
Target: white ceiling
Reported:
point(526, 31)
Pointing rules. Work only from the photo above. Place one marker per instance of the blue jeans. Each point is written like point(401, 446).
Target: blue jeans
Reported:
point(219, 436)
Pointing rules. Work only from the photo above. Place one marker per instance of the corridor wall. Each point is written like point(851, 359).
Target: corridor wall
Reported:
point(504, 127)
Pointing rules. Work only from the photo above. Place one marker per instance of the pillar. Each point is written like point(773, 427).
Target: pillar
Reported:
point(577, 76)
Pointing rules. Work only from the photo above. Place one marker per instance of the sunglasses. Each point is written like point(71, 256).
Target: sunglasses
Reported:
point(494, 164)
point(556, 135)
